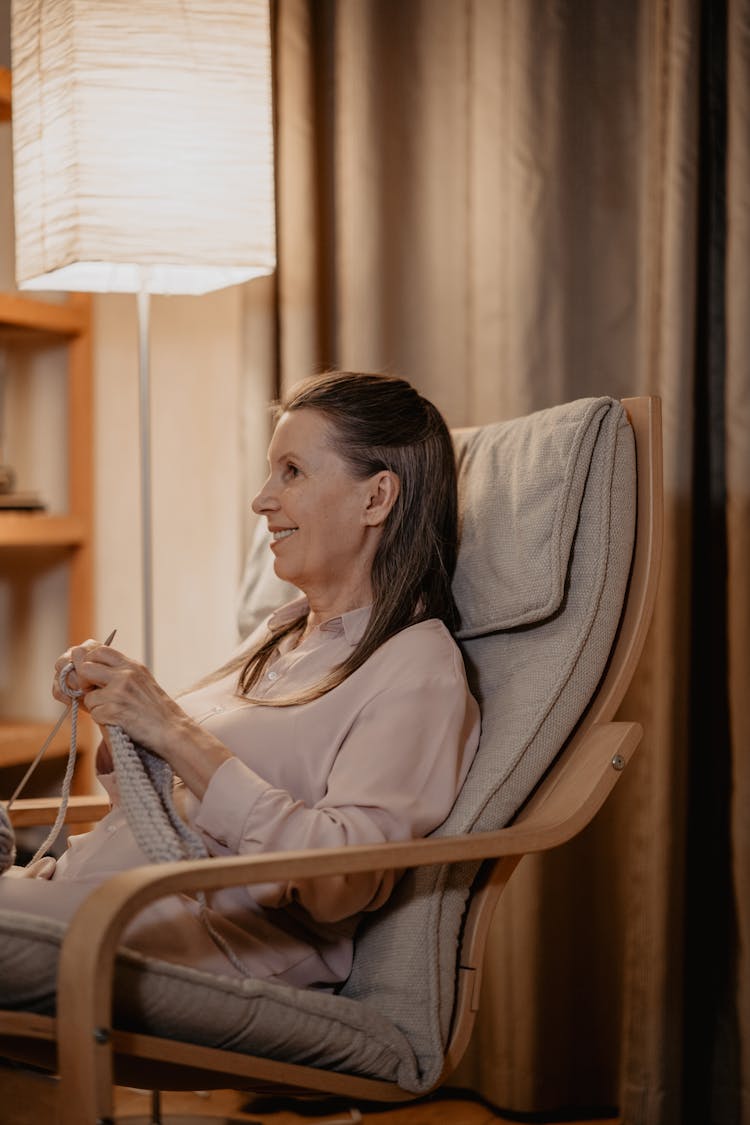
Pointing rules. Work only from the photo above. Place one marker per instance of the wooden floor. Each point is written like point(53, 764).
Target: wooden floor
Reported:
point(31, 1098)
point(243, 1109)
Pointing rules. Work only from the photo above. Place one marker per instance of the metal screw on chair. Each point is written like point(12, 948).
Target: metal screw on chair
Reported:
point(101, 1035)
point(618, 762)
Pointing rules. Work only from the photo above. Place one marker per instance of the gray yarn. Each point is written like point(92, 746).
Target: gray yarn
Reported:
point(144, 782)
point(7, 836)
point(67, 780)
point(7, 841)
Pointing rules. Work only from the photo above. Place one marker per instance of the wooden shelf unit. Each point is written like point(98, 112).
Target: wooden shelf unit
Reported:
point(33, 529)
point(4, 94)
point(26, 322)
point(20, 741)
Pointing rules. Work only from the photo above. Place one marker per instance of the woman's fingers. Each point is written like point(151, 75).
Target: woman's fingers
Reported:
point(99, 655)
point(119, 692)
point(57, 694)
point(93, 673)
point(127, 695)
point(71, 656)
point(43, 868)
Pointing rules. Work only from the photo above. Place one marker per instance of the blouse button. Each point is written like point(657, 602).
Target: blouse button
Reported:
point(273, 676)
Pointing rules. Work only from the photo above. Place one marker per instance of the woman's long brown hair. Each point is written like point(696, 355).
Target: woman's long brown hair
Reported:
point(381, 422)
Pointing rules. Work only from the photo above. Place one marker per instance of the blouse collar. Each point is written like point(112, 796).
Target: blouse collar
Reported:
point(351, 624)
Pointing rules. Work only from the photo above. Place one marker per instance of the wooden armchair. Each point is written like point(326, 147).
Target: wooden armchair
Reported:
point(89, 1049)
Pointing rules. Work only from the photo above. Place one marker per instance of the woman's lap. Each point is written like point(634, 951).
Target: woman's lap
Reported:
point(42, 896)
point(172, 929)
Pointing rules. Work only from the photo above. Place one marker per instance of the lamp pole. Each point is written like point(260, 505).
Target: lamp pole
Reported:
point(144, 423)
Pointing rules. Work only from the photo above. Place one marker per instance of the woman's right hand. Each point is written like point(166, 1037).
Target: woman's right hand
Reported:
point(74, 681)
point(43, 868)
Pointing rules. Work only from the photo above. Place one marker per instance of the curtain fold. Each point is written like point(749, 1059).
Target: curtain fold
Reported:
point(737, 422)
point(503, 201)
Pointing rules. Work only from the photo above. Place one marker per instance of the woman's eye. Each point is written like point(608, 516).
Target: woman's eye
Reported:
point(292, 470)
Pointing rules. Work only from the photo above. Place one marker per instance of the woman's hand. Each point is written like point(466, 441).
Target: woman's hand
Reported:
point(121, 692)
point(73, 681)
point(43, 868)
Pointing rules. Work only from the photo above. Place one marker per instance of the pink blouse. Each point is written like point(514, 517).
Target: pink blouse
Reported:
point(381, 757)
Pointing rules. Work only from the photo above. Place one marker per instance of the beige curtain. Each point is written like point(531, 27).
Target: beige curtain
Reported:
point(738, 498)
point(500, 200)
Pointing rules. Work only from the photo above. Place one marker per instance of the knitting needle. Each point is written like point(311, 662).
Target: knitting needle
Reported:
point(47, 742)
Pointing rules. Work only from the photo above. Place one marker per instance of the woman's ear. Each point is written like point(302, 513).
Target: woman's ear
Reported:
point(383, 490)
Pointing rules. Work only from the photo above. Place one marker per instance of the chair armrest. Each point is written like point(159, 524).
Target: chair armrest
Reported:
point(30, 811)
point(570, 803)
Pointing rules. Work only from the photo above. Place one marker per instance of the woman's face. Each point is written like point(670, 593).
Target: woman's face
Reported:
point(325, 523)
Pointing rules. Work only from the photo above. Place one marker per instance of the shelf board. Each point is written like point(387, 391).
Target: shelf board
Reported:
point(32, 529)
point(24, 318)
point(20, 742)
point(32, 811)
point(4, 94)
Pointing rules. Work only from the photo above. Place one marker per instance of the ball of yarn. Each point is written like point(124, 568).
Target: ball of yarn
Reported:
point(7, 841)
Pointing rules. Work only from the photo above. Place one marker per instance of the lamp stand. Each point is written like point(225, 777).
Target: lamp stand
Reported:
point(155, 1117)
point(144, 326)
point(342, 1117)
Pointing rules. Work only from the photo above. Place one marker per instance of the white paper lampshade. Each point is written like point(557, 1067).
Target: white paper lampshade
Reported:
point(142, 137)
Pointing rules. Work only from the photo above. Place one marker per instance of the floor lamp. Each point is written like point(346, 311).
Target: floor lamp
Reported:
point(143, 160)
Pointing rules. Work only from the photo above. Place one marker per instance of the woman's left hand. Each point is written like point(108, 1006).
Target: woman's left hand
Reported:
point(123, 693)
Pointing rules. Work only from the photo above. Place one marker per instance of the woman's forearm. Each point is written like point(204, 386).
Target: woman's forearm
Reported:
point(192, 752)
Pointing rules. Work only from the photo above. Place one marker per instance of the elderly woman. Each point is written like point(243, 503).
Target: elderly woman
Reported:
point(346, 718)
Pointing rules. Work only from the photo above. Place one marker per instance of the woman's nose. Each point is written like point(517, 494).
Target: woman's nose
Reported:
point(265, 501)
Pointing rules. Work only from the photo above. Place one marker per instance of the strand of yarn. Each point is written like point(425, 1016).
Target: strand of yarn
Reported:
point(7, 841)
point(7, 835)
point(67, 781)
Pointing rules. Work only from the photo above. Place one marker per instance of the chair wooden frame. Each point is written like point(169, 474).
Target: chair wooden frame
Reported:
point(91, 1055)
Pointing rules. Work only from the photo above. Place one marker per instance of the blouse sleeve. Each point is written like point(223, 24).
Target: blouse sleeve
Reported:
point(395, 777)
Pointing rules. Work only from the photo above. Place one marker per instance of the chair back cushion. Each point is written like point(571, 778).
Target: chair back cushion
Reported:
point(551, 497)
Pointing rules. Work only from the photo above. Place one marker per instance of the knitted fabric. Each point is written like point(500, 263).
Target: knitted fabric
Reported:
point(145, 784)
